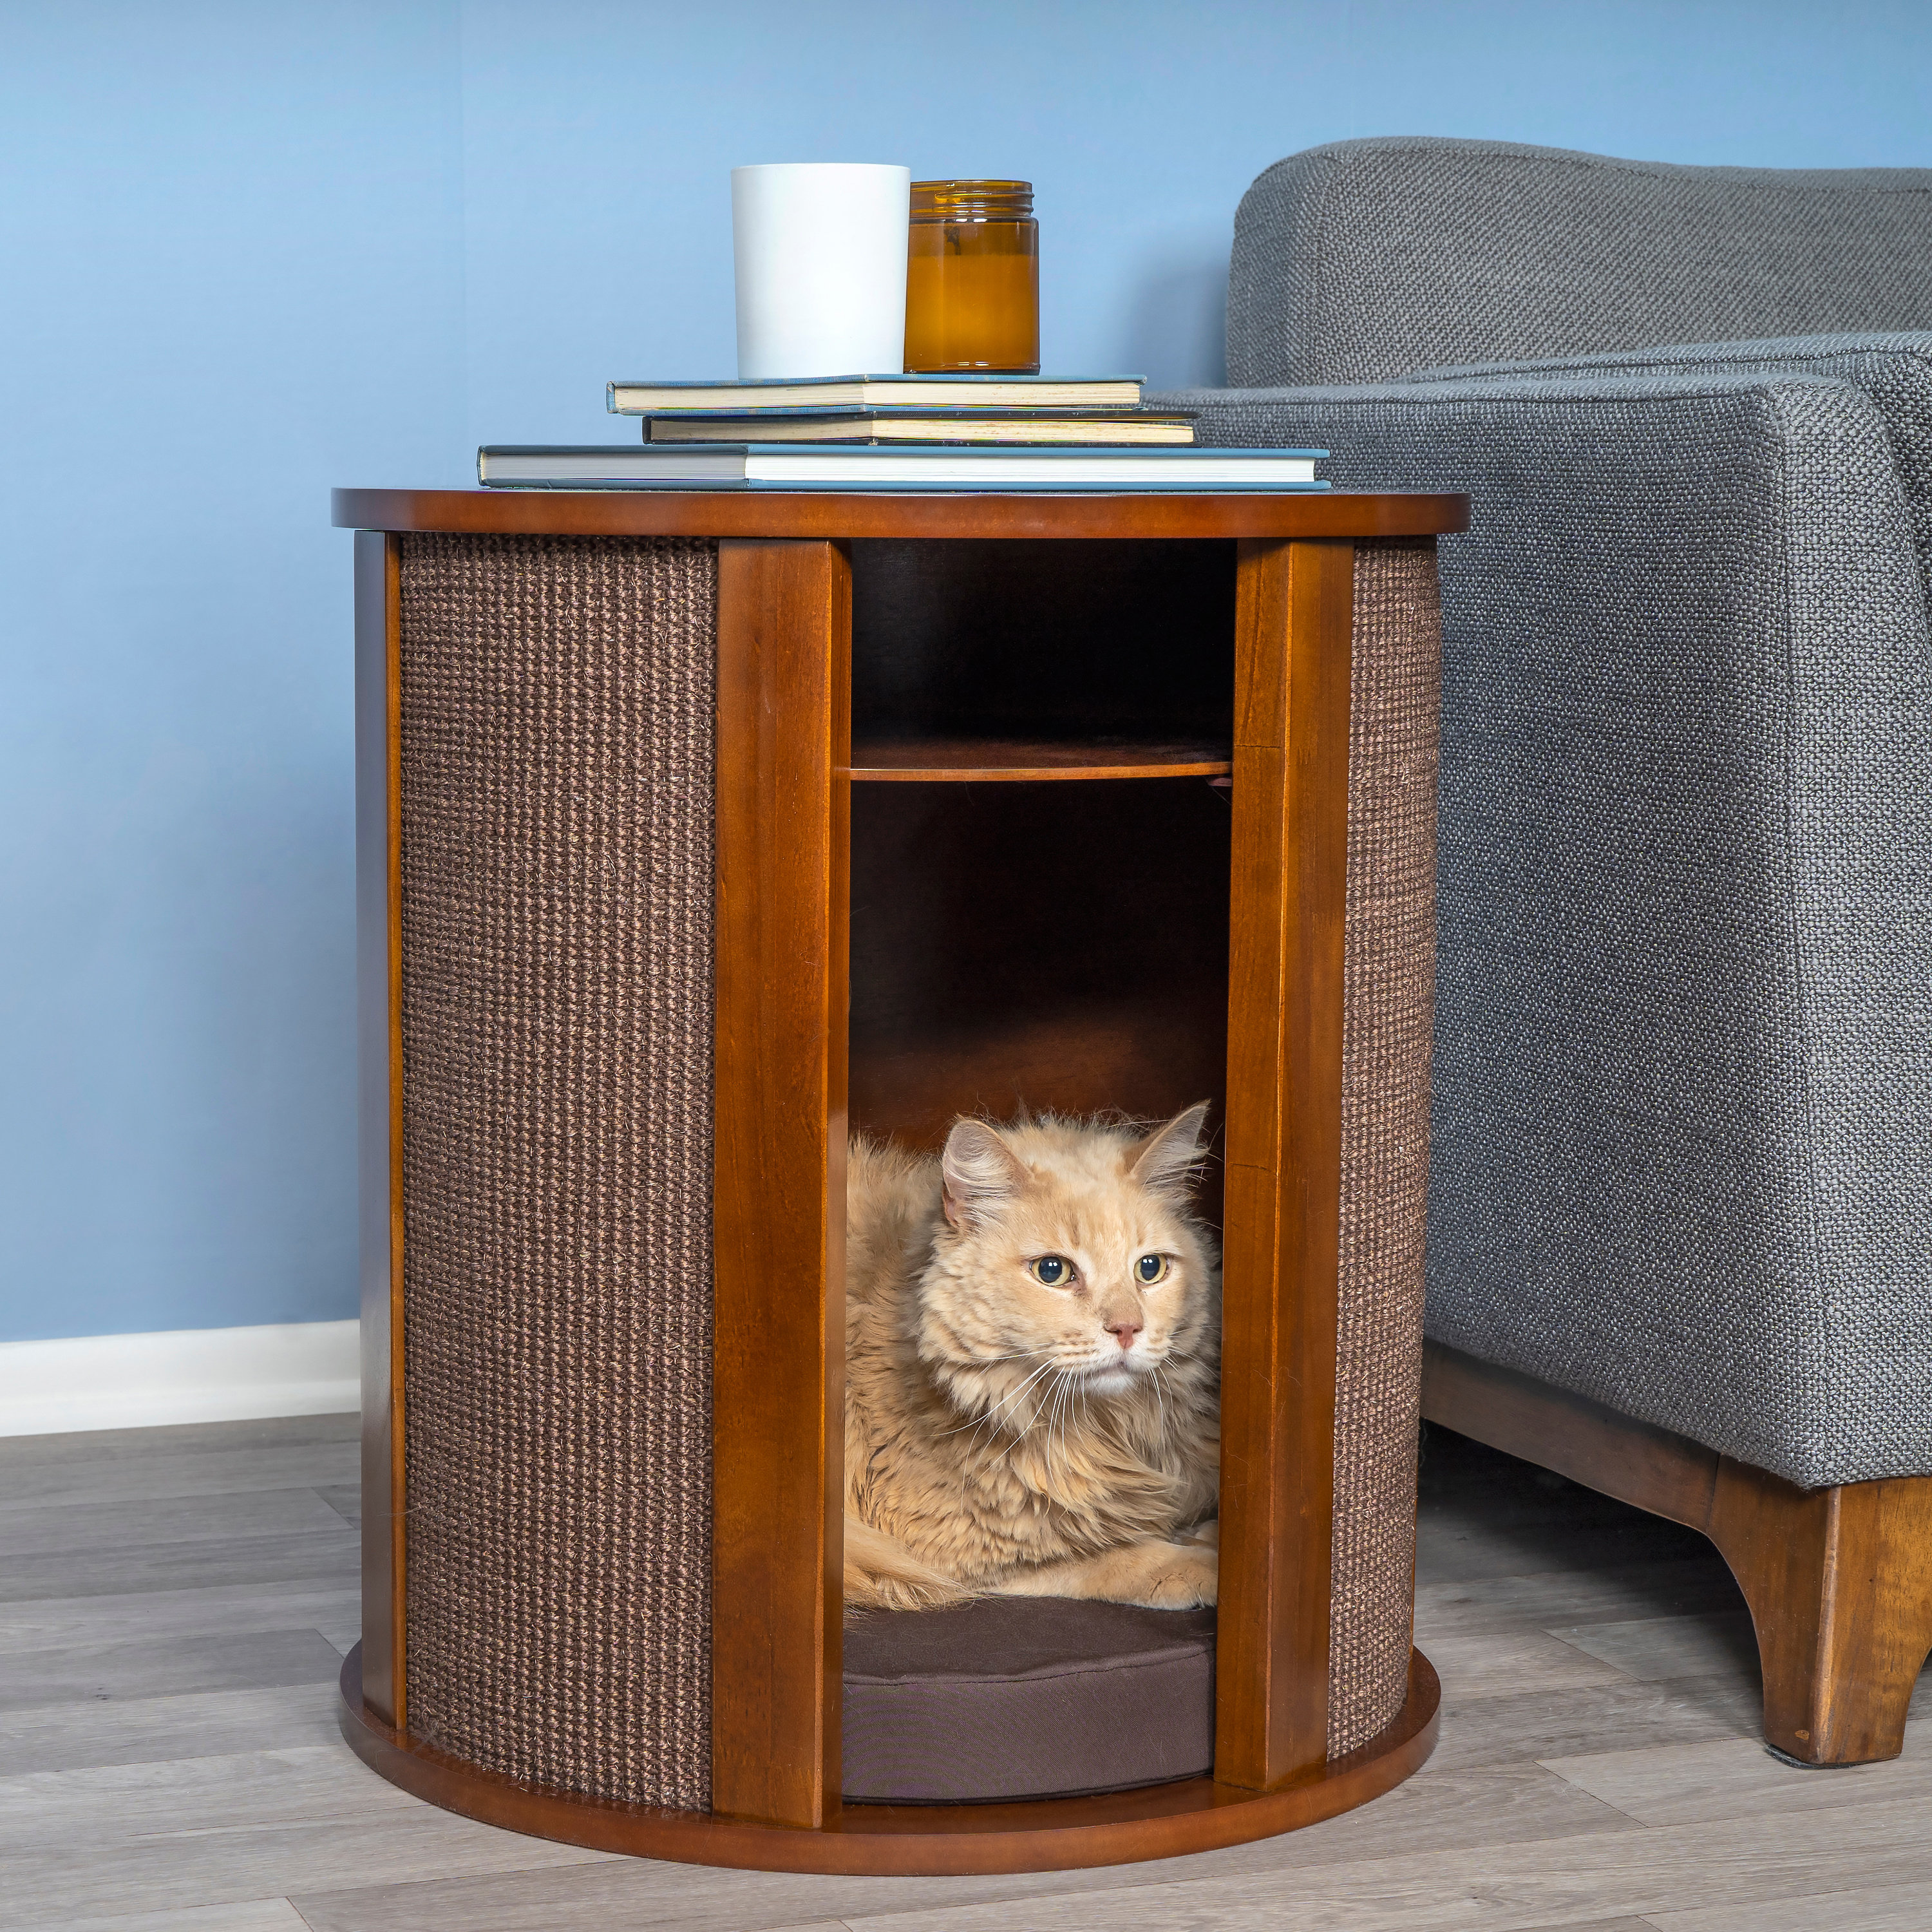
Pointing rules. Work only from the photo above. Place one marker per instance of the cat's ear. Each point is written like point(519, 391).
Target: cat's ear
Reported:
point(979, 1173)
point(1168, 1155)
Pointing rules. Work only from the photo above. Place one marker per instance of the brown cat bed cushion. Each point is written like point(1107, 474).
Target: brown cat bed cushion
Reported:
point(1025, 1697)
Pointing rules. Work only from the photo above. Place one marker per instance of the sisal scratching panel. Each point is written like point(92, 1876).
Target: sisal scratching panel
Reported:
point(556, 754)
point(1388, 984)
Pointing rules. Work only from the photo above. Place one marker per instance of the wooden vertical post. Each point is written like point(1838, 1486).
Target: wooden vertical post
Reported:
point(784, 625)
point(1294, 611)
point(379, 977)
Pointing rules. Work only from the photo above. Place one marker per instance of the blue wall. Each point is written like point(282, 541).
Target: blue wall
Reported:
point(250, 250)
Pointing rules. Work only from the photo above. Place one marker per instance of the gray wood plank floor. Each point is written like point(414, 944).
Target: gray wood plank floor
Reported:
point(174, 1604)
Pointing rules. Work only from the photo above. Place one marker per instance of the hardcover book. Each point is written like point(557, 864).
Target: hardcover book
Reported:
point(863, 392)
point(971, 426)
point(869, 466)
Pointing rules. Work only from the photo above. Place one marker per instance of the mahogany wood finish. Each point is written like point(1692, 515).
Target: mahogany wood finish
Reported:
point(379, 1050)
point(938, 1840)
point(1838, 1580)
point(1156, 1059)
point(778, 1391)
point(944, 939)
point(992, 760)
point(1293, 618)
point(840, 515)
point(996, 967)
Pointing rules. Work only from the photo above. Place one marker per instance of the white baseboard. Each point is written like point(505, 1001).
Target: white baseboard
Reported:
point(187, 1375)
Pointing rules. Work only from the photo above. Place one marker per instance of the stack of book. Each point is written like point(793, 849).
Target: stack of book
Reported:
point(920, 432)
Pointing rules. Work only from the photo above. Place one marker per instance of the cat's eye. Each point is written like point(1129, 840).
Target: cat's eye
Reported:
point(1055, 1271)
point(1150, 1268)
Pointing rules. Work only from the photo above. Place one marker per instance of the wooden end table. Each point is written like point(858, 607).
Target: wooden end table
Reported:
point(914, 697)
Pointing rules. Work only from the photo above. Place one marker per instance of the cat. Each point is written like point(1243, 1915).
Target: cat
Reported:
point(1032, 1402)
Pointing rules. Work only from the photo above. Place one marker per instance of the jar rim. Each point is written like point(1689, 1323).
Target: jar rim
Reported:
point(969, 199)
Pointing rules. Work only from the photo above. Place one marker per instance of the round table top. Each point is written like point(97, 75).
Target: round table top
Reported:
point(1311, 514)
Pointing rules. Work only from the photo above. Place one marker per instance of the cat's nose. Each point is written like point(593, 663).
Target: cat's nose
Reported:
point(1124, 1332)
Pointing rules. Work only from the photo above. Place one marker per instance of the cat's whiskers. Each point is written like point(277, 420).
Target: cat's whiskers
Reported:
point(993, 1415)
point(1042, 1413)
point(1053, 1416)
point(1044, 1407)
point(1040, 1407)
point(1072, 1388)
point(1160, 1405)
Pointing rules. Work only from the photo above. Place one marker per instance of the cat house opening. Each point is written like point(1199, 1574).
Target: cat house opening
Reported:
point(1038, 945)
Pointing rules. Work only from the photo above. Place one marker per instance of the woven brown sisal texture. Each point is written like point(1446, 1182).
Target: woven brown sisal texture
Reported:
point(557, 705)
point(1388, 983)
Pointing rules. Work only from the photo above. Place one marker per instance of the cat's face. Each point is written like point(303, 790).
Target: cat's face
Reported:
point(1068, 1253)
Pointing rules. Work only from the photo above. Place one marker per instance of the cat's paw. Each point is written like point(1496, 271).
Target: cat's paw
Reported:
point(1208, 1533)
point(1175, 1576)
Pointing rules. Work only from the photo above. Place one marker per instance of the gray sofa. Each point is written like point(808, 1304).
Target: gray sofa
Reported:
point(1681, 1184)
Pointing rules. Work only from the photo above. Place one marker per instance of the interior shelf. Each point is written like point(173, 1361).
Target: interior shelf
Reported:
point(964, 760)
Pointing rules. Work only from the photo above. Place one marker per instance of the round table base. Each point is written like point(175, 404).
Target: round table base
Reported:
point(1050, 1834)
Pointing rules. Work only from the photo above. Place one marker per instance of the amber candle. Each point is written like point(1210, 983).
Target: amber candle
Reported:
point(973, 278)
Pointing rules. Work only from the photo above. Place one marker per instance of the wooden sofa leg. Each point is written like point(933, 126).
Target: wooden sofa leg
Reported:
point(1839, 1581)
point(1839, 1586)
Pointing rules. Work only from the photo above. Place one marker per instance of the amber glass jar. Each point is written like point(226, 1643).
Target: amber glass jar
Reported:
point(973, 278)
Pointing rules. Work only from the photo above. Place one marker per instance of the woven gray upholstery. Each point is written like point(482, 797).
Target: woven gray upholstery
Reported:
point(1895, 371)
point(1681, 1125)
point(1362, 260)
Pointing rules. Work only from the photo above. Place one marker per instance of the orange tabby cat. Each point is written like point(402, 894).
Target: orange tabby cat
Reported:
point(1032, 1325)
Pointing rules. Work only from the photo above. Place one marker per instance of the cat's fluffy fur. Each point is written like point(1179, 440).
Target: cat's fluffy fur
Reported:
point(1005, 1436)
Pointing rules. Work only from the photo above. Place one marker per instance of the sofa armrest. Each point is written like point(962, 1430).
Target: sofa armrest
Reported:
point(1894, 369)
point(1683, 1118)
